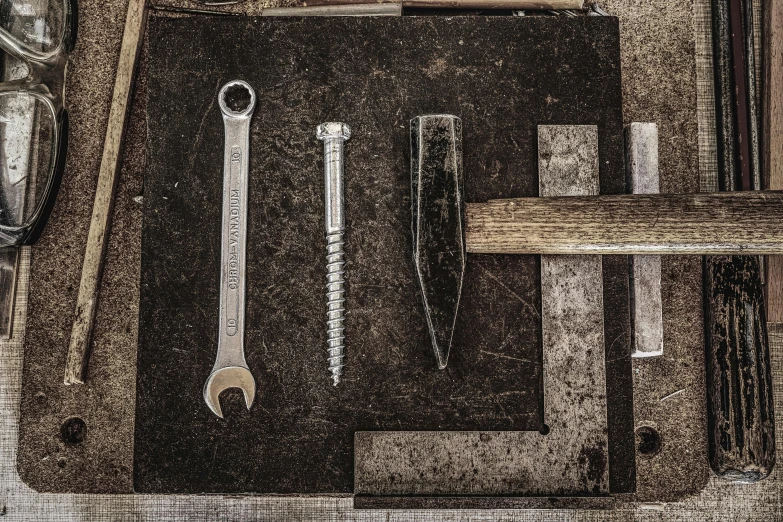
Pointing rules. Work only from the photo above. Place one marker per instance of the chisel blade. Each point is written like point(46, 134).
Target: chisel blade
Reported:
point(439, 255)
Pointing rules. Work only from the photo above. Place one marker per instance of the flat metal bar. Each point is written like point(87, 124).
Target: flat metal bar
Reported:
point(641, 146)
point(572, 308)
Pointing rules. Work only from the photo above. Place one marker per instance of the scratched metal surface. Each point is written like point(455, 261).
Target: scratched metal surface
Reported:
point(572, 458)
point(718, 501)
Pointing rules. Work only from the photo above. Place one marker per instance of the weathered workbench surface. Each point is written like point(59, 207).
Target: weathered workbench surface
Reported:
point(662, 45)
point(381, 72)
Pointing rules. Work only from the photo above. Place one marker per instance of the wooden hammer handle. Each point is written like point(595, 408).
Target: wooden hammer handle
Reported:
point(701, 224)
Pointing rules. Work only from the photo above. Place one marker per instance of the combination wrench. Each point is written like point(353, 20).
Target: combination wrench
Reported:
point(237, 101)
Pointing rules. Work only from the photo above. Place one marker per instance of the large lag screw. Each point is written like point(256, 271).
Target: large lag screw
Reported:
point(334, 135)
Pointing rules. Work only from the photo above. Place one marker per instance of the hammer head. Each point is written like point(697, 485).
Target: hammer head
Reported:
point(438, 216)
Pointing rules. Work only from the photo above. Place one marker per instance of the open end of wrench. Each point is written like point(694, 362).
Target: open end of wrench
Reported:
point(225, 378)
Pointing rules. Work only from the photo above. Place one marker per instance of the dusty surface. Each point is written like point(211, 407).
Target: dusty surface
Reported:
point(102, 462)
point(659, 85)
point(302, 427)
point(658, 65)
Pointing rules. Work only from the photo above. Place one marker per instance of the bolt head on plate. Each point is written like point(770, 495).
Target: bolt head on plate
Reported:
point(333, 129)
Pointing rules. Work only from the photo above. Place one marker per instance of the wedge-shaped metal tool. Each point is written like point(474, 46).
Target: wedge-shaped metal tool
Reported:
point(236, 100)
point(438, 214)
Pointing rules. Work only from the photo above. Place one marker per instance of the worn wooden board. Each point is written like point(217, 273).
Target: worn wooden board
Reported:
point(726, 223)
point(302, 427)
point(773, 141)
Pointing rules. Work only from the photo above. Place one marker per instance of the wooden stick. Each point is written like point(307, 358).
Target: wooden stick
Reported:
point(773, 140)
point(703, 224)
point(86, 305)
point(742, 171)
point(467, 4)
point(724, 100)
point(739, 387)
point(363, 9)
point(9, 264)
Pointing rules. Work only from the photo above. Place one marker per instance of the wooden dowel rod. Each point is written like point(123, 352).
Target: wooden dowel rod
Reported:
point(467, 4)
point(699, 224)
point(363, 9)
point(86, 305)
point(773, 141)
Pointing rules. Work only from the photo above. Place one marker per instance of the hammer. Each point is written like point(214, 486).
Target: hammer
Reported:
point(446, 228)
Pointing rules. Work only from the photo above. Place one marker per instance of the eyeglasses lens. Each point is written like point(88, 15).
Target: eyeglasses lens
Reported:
point(26, 154)
point(37, 24)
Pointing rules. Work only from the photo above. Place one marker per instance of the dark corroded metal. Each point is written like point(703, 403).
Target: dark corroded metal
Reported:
point(724, 106)
point(739, 393)
point(739, 379)
point(438, 215)
point(741, 98)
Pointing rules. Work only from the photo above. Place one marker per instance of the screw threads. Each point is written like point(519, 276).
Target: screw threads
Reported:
point(335, 304)
point(334, 134)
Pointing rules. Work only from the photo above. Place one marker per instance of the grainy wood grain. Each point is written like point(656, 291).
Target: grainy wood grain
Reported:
point(86, 305)
point(773, 140)
point(467, 4)
point(721, 223)
point(751, 94)
point(9, 261)
point(363, 9)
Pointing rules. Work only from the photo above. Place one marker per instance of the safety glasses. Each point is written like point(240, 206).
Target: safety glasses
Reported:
point(35, 37)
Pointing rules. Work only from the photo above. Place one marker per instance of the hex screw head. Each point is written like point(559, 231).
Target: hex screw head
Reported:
point(333, 129)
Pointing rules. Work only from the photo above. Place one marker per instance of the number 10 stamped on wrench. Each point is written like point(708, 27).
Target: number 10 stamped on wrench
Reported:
point(236, 100)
